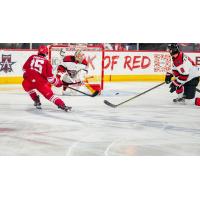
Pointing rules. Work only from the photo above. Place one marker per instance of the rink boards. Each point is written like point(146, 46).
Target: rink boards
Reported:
point(118, 65)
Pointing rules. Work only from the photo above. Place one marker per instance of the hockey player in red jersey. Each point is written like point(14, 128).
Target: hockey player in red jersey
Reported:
point(38, 76)
point(186, 76)
point(72, 70)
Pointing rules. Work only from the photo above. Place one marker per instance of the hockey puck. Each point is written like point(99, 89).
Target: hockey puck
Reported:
point(116, 93)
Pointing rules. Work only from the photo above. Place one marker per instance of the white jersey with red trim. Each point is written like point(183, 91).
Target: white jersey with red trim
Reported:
point(72, 71)
point(184, 69)
point(70, 63)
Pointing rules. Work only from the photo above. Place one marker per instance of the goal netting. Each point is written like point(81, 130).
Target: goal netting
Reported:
point(94, 56)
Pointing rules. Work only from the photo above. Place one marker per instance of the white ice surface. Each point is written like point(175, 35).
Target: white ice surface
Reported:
point(148, 125)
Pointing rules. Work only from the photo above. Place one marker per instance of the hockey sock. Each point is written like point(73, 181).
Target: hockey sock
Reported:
point(32, 94)
point(57, 101)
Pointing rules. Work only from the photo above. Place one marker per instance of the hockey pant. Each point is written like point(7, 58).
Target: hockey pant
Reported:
point(190, 88)
point(43, 87)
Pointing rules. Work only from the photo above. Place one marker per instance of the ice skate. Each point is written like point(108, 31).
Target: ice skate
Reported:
point(37, 103)
point(179, 100)
point(65, 108)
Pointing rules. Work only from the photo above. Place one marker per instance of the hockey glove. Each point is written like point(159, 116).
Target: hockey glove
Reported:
point(168, 77)
point(175, 87)
point(58, 83)
point(172, 87)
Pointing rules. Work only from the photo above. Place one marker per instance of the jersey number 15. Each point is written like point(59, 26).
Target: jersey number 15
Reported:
point(36, 65)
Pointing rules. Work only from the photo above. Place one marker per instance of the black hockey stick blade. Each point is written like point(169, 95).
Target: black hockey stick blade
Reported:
point(198, 90)
point(109, 104)
point(90, 95)
point(95, 94)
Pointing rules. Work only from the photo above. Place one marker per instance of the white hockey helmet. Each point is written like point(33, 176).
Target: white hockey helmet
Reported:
point(79, 55)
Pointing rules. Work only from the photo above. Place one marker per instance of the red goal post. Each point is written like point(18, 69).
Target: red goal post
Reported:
point(94, 56)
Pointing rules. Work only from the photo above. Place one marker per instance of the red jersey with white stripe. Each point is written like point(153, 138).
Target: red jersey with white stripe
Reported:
point(184, 69)
point(38, 65)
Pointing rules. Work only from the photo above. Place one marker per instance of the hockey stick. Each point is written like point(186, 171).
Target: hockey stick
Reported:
point(95, 93)
point(198, 90)
point(90, 95)
point(116, 105)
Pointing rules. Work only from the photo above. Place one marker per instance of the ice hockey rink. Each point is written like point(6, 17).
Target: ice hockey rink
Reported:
point(150, 125)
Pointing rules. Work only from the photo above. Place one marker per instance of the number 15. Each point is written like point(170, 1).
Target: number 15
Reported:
point(36, 65)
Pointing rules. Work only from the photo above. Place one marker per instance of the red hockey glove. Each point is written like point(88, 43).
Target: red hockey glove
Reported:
point(174, 86)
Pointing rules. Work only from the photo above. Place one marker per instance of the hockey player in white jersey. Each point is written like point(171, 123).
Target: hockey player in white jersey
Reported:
point(72, 71)
point(186, 76)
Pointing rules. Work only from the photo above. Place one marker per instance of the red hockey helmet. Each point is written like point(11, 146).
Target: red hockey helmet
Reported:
point(43, 50)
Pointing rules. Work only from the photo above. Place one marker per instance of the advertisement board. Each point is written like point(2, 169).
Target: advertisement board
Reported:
point(118, 65)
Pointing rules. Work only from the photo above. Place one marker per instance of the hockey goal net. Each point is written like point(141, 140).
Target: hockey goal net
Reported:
point(94, 56)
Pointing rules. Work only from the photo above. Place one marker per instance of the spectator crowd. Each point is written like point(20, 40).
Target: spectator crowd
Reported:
point(109, 46)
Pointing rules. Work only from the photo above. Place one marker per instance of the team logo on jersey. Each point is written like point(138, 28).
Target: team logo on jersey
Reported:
point(6, 64)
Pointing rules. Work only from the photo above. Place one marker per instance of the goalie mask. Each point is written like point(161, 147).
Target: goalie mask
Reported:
point(79, 56)
point(173, 49)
